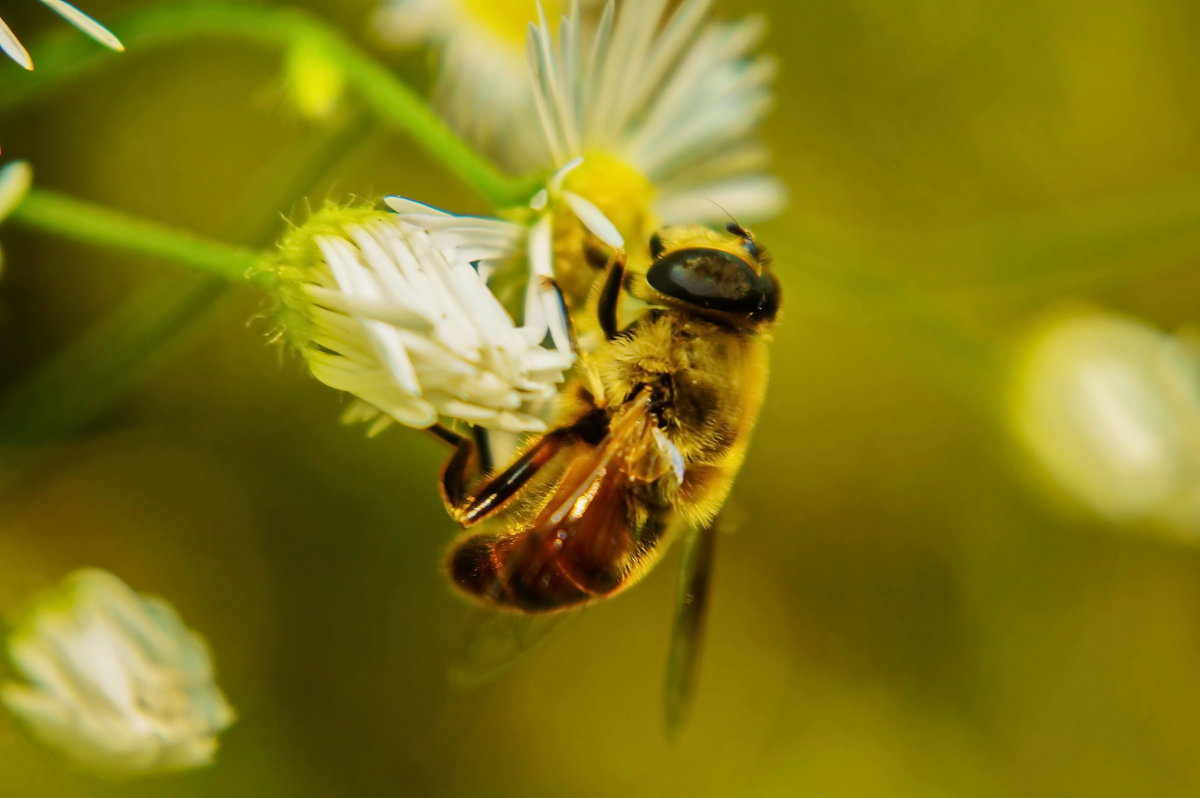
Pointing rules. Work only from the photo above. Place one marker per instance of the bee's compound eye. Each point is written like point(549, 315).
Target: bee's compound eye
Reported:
point(712, 279)
point(656, 246)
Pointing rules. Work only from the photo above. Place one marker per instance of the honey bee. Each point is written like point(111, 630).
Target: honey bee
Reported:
point(652, 430)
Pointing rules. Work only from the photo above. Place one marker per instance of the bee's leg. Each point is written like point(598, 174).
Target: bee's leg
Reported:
point(483, 448)
point(562, 301)
point(610, 295)
point(497, 490)
point(456, 471)
point(468, 508)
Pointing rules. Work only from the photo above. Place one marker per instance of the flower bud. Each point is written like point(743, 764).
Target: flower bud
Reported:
point(114, 681)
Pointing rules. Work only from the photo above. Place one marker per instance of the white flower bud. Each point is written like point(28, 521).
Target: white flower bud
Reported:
point(114, 681)
point(407, 323)
point(1110, 408)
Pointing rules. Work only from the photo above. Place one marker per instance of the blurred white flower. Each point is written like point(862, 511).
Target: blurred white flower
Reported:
point(114, 681)
point(15, 181)
point(11, 45)
point(482, 84)
point(1110, 409)
point(410, 327)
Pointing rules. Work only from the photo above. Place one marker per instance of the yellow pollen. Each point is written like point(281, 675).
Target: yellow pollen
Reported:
point(508, 20)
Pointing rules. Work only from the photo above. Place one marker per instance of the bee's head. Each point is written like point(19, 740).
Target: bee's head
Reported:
point(720, 275)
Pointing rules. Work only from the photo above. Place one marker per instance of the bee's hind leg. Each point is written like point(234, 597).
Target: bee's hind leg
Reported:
point(456, 472)
point(469, 508)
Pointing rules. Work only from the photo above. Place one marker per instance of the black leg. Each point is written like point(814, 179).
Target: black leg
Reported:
point(610, 295)
point(484, 448)
point(496, 492)
point(562, 301)
point(456, 471)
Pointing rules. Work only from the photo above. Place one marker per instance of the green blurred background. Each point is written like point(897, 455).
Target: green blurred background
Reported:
point(897, 612)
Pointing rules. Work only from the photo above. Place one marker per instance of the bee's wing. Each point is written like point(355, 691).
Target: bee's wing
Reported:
point(581, 543)
point(493, 640)
point(688, 630)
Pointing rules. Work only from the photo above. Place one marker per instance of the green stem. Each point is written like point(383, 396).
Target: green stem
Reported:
point(101, 365)
point(94, 224)
point(383, 94)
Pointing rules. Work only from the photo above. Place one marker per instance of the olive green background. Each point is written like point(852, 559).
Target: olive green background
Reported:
point(902, 609)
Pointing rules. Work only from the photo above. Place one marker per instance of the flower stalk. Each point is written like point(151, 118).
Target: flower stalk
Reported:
point(387, 97)
point(90, 223)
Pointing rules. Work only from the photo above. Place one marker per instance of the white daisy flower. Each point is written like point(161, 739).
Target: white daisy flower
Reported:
point(645, 121)
point(1110, 409)
point(11, 45)
point(114, 681)
point(410, 327)
point(482, 83)
point(15, 181)
point(664, 110)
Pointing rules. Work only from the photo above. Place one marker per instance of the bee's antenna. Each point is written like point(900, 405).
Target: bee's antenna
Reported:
point(734, 226)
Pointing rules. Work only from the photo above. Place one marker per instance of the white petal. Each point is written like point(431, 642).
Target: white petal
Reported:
point(748, 199)
point(11, 45)
point(86, 24)
point(594, 219)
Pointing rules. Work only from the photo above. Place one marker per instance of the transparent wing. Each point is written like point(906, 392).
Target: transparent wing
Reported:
point(492, 640)
point(688, 630)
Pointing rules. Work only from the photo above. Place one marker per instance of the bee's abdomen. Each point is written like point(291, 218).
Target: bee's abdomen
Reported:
point(509, 571)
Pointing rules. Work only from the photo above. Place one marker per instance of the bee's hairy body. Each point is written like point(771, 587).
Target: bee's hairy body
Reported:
point(651, 433)
point(710, 379)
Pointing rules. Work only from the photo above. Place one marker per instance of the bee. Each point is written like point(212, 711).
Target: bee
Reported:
point(652, 430)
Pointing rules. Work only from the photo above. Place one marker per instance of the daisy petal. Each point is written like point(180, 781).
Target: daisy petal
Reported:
point(595, 220)
point(86, 24)
point(11, 45)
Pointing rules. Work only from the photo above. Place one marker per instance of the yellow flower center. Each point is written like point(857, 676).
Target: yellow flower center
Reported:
point(508, 20)
point(621, 192)
point(625, 196)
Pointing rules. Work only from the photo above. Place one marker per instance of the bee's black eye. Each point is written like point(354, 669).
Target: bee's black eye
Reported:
point(750, 246)
point(713, 279)
point(656, 246)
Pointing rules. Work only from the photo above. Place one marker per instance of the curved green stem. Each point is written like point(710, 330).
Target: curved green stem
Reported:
point(383, 94)
point(97, 368)
point(95, 224)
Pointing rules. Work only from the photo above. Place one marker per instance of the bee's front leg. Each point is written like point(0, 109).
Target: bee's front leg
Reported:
point(610, 295)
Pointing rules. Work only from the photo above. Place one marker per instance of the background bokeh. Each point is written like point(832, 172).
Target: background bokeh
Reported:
point(902, 610)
